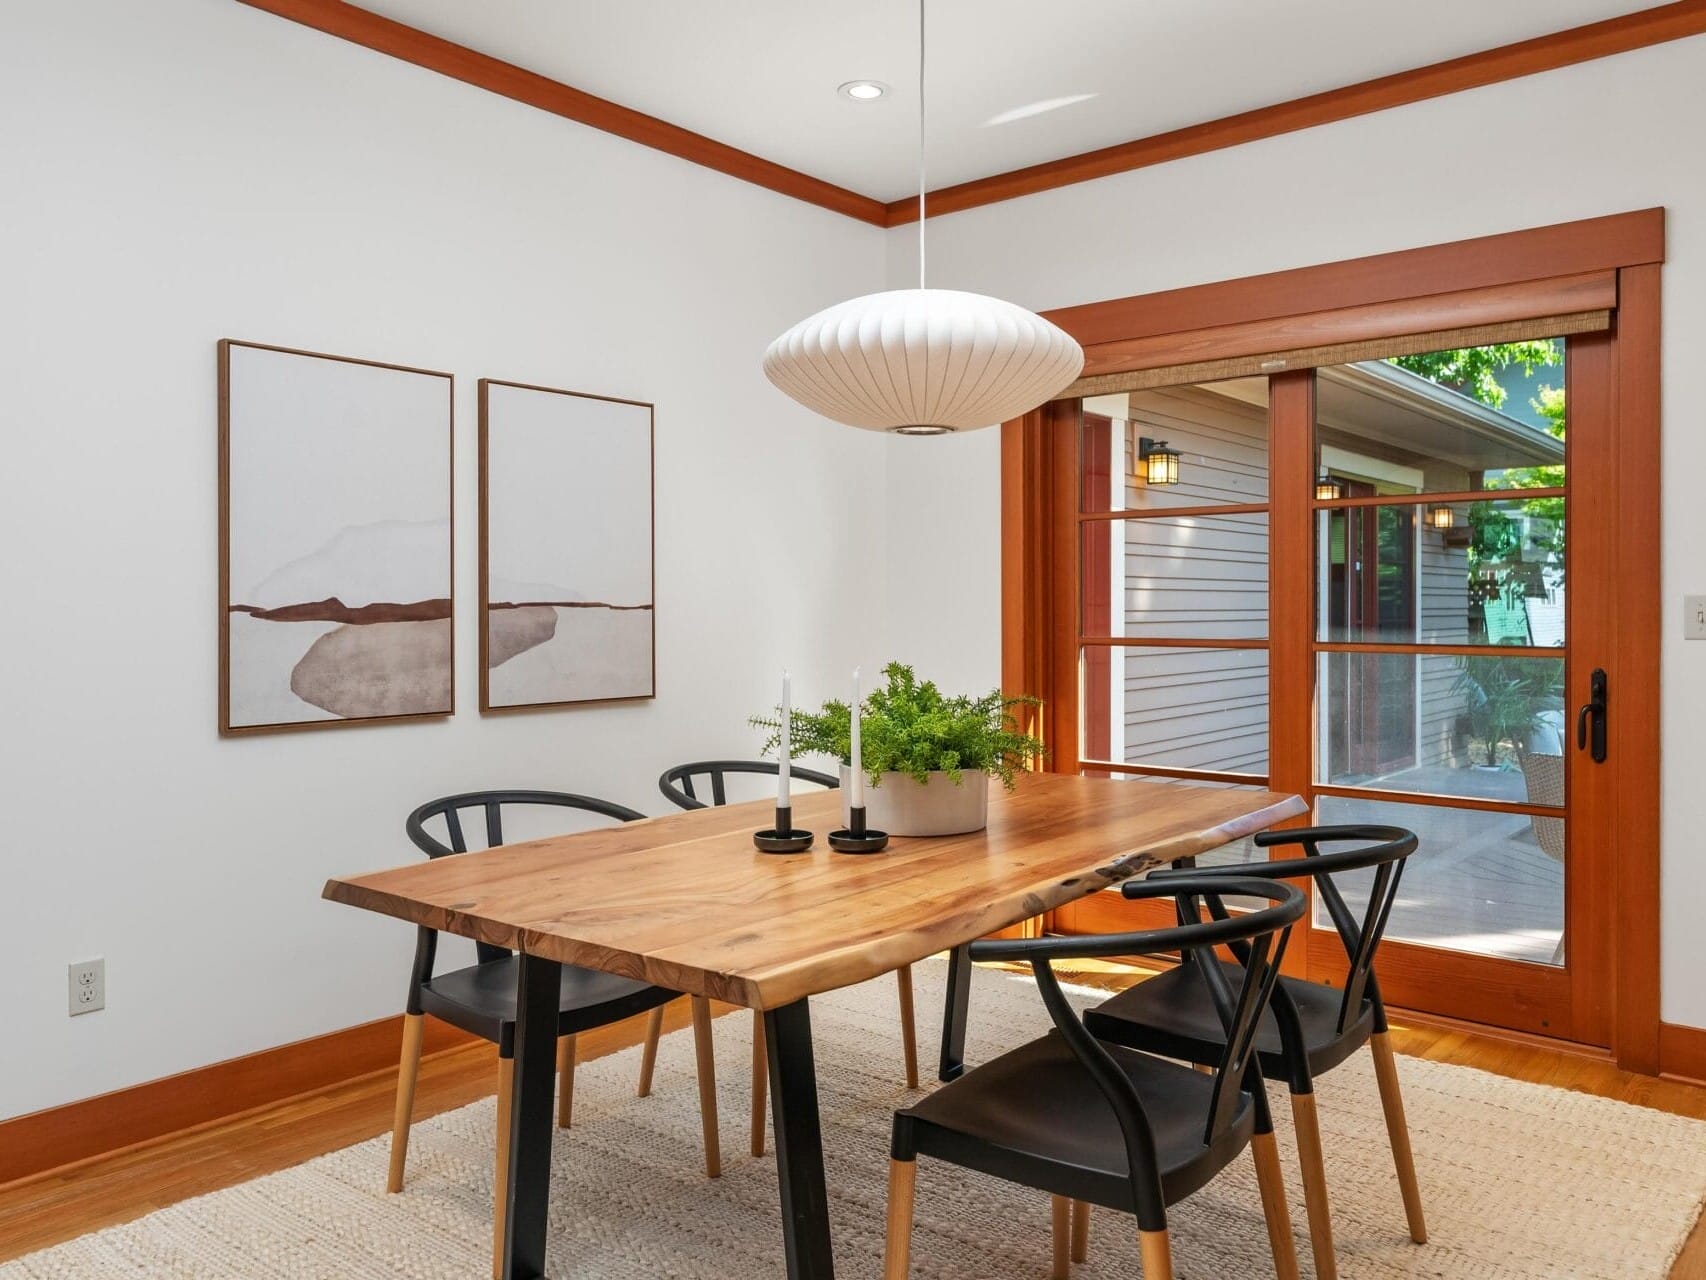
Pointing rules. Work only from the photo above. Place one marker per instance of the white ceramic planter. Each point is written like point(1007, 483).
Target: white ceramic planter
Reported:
point(903, 806)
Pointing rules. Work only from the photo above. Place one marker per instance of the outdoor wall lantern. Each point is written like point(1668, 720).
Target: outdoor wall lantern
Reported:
point(1328, 488)
point(1160, 464)
point(1441, 517)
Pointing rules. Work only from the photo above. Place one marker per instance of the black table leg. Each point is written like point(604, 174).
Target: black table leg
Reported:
point(954, 1015)
point(799, 1143)
point(531, 1122)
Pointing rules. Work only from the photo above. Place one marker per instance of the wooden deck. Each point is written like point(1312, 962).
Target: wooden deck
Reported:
point(1480, 881)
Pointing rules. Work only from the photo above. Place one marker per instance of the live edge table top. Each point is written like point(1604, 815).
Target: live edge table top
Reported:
point(686, 902)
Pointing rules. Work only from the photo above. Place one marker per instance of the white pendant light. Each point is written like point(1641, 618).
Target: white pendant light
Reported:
point(923, 361)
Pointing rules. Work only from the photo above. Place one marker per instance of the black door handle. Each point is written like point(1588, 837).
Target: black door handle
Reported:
point(1590, 720)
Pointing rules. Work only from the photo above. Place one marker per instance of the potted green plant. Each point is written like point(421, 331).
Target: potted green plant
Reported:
point(1504, 700)
point(927, 756)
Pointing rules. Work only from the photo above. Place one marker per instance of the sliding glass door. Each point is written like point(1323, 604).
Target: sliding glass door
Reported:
point(1373, 583)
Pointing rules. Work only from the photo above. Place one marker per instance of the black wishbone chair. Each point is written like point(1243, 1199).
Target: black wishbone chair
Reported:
point(481, 999)
point(680, 788)
point(1093, 1123)
point(1310, 1028)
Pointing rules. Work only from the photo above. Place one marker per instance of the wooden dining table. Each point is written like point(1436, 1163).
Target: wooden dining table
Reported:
point(686, 902)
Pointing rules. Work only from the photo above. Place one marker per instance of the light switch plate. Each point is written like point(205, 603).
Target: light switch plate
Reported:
point(1694, 617)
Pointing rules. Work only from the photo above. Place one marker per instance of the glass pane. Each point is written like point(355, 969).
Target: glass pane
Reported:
point(1177, 708)
point(1241, 850)
point(1450, 573)
point(1218, 429)
point(1487, 883)
point(1453, 726)
point(1446, 421)
point(1177, 577)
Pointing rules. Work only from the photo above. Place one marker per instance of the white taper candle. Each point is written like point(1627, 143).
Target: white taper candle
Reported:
point(786, 745)
point(857, 782)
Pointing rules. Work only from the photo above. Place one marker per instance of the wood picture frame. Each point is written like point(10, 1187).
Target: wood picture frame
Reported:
point(318, 539)
point(562, 472)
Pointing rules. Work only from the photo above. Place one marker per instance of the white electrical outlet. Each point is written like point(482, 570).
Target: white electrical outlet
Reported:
point(1694, 617)
point(86, 981)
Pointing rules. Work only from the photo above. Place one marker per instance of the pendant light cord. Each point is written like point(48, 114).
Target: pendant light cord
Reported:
point(920, 144)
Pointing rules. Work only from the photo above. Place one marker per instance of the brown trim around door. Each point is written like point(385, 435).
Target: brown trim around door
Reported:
point(1634, 728)
point(1565, 249)
point(1619, 804)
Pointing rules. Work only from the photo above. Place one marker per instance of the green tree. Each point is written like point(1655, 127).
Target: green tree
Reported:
point(1473, 371)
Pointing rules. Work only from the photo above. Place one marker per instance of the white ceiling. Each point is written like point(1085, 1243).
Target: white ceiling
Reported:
point(761, 75)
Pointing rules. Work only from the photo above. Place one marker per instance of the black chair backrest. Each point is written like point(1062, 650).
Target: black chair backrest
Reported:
point(492, 803)
point(679, 787)
point(1384, 849)
point(1259, 934)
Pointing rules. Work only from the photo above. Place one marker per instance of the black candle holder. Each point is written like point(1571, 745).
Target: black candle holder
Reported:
point(782, 838)
point(856, 837)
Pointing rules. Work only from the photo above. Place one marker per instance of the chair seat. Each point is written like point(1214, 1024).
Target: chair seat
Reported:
point(481, 999)
point(1036, 1116)
point(1173, 1013)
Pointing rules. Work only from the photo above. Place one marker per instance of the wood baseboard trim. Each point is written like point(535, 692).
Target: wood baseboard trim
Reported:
point(1682, 1052)
point(44, 1141)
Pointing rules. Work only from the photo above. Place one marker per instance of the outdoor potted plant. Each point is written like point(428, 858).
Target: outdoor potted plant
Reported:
point(927, 757)
point(1505, 699)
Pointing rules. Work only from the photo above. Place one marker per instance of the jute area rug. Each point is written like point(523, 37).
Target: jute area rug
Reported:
point(1520, 1181)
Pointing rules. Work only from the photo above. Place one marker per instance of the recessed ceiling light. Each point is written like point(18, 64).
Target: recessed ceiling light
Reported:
point(863, 90)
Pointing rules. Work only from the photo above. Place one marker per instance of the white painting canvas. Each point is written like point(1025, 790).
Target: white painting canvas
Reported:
point(566, 547)
point(337, 561)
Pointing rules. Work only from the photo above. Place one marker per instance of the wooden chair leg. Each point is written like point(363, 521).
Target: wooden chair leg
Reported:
point(649, 1055)
point(706, 1059)
point(897, 1251)
point(1157, 1255)
point(1314, 1185)
point(500, 1186)
point(760, 1079)
point(1061, 1210)
point(408, 1071)
point(1080, 1231)
point(1398, 1131)
point(908, 1028)
point(565, 1081)
point(1265, 1151)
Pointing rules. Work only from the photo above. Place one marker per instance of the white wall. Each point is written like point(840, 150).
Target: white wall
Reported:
point(1608, 136)
point(187, 170)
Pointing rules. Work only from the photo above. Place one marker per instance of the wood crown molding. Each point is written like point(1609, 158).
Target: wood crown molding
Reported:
point(43, 1140)
point(384, 35)
point(1622, 34)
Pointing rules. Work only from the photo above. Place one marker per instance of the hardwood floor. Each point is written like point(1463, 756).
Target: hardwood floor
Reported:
point(65, 1203)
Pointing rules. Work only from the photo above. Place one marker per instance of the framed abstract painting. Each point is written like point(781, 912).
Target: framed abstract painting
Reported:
point(335, 577)
point(566, 608)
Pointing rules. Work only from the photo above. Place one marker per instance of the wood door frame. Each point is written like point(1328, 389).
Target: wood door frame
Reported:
point(1040, 539)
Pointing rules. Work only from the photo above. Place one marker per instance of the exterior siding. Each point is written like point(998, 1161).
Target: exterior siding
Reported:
point(1198, 577)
